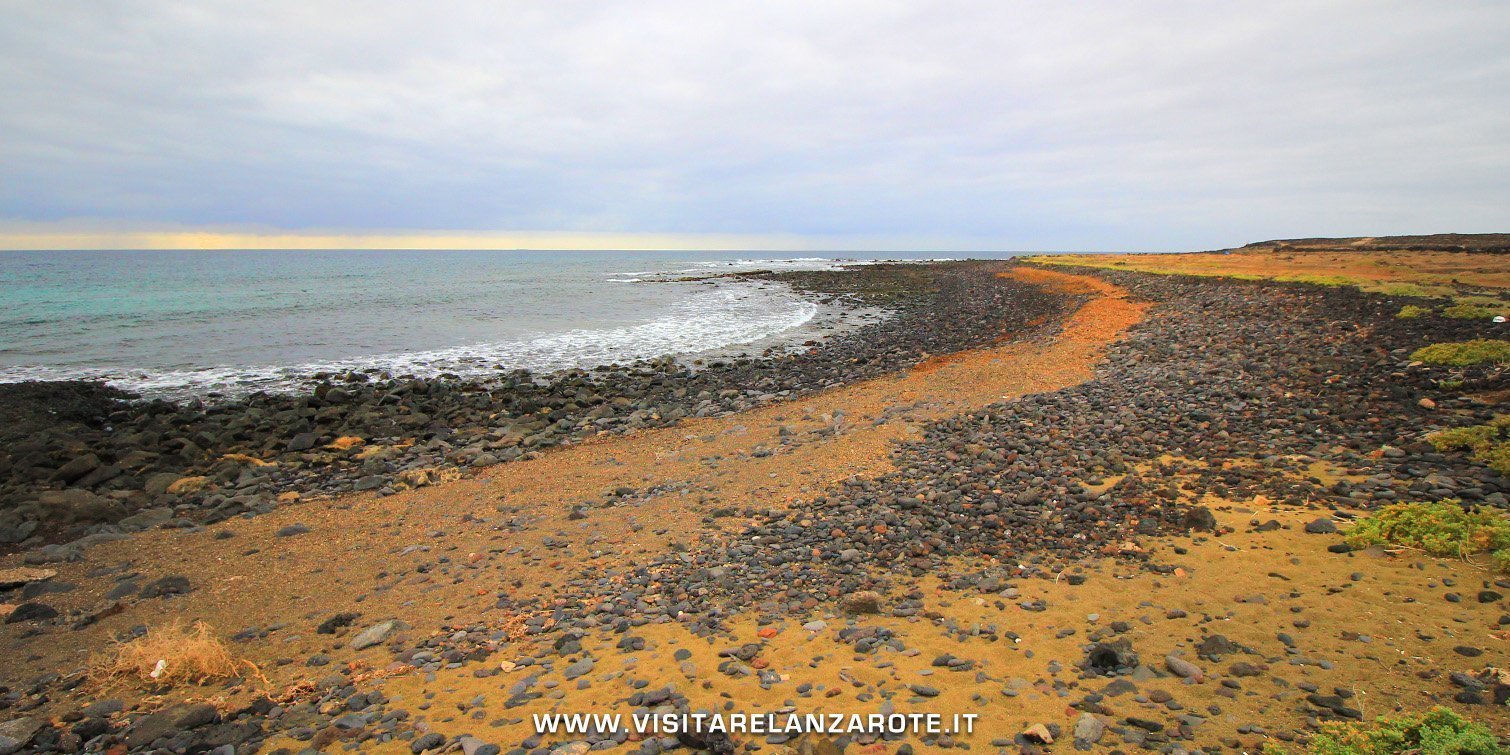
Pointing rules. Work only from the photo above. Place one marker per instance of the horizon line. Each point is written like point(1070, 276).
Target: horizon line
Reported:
point(86, 235)
point(815, 252)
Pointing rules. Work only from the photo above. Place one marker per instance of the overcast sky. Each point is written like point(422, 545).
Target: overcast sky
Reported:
point(941, 125)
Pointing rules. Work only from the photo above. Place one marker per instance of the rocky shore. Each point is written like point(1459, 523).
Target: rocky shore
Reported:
point(84, 461)
point(1281, 377)
point(1034, 560)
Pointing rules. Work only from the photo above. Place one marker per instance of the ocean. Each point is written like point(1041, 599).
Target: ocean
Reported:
point(223, 323)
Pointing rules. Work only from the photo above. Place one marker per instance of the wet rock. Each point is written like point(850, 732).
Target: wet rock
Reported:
point(157, 484)
point(147, 519)
point(77, 467)
point(76, 505)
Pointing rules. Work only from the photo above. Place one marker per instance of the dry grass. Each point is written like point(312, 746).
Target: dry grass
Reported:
point(251, 460)
point(169, 656)
point(345, 443)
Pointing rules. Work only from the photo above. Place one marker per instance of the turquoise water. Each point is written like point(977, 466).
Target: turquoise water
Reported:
point(187, 322)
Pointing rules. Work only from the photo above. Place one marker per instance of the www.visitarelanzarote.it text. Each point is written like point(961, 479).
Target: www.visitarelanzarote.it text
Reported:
point(758, 723)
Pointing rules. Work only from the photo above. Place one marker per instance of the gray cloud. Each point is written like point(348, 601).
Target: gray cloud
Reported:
point(1016, 125)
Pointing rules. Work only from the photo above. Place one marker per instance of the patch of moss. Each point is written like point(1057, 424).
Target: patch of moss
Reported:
point(1443, 529)
point(1487, 299)
point(1439, 731)
point(1320, 280)
point(1411, 312)
point(1465, 353)
point(1468, 312)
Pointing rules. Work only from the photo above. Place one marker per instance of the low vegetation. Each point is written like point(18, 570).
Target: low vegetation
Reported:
point(1403, 289)
point(1489, 443)
point(1465, 353)
point(1455, 312)
point(169, 656)
point(1070, 260)
point(1443, 529)
point(1319, 280)
point(1468, 312)
point(1477, 282)
point(1438, 731)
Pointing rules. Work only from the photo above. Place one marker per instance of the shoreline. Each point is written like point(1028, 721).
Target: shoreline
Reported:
point(957, 536)
point(380, 322)
point(89, 463)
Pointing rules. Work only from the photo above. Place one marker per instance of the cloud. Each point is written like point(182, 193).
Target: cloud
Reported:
point(1016, 125)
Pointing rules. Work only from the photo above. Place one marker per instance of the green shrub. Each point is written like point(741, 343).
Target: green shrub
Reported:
point(1468, 312)
point(1440, 529)
point(1464, 438)
point(1411, 312)
point(1404, 289)
point(1496, 457)
point(1465, 353)
point(1489, 443)
point(1438, 731)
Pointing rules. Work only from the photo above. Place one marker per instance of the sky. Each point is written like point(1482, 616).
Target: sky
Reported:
point(1088, 125)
